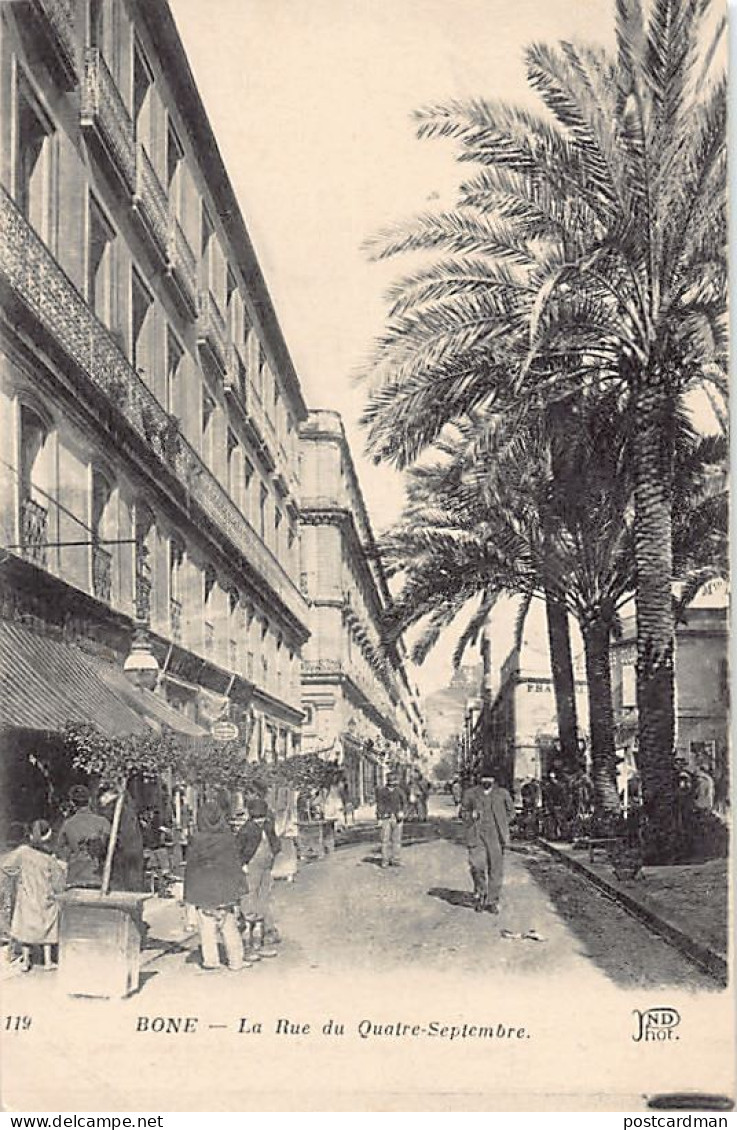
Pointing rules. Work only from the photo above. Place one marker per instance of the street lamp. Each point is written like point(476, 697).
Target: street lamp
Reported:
point(142, 666)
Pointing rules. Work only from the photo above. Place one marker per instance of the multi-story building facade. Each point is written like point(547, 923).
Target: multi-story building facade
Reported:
point(521, 727)
point(357, 698)
point(150, 408)
point(701, 690)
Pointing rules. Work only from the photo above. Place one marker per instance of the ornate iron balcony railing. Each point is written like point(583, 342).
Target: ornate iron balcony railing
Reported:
point(212, 335)
point(34, 524)
point(182, 269)
point(35, 278)
point(55, 18)
point(321, 666)
point(104, 114)
point(150, 203)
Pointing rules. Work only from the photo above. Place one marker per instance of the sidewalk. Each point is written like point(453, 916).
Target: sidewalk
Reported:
point(687, 904)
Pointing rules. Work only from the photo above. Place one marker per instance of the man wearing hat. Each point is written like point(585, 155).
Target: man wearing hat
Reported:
point(391, 805)
point(82, 842)
point(487, 809)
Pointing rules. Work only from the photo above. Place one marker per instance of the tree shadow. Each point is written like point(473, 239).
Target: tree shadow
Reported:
point(455, 898)
point(608, 936)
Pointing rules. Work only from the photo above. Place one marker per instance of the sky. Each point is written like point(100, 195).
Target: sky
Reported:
point(311, 103)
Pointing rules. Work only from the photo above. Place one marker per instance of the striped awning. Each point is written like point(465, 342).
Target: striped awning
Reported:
point(152, 707)
point(47, 682)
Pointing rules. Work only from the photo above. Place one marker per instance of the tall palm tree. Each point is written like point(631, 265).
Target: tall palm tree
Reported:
point(591, 245)
point(491, 518)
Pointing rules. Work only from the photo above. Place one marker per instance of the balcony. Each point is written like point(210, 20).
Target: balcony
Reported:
point(236, 382)
point(34, 525)
point(321, 667)
point(106, 121)
point(33, 280)
point(102, 573)
point(54, 22)
point(150, 205)
point(212, 335)
point(256, 418)
point(182, 269)
point(175, 619)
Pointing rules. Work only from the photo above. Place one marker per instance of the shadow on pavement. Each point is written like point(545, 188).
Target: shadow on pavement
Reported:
point(455, 898)
point(607, 935)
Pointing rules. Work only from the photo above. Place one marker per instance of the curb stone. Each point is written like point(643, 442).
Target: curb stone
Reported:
point(705, 957)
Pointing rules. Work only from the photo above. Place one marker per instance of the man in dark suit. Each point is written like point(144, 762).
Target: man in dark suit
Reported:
point(391, 807)
point(487, 809)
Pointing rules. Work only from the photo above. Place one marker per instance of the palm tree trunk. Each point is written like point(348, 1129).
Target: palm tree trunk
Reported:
point(596, 638)
point(564, 687)
point(655, 630)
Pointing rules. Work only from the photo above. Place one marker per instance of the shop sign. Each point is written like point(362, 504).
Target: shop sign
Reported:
point(224, 731)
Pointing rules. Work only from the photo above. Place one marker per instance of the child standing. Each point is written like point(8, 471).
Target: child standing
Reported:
point(258, 845)
point(40, 877)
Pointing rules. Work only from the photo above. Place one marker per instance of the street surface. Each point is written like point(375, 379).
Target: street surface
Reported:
point(382, 948)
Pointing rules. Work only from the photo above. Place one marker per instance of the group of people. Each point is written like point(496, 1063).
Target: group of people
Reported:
point(228, 880)
point(228, 877)
point(558, 807)
point(487, 810)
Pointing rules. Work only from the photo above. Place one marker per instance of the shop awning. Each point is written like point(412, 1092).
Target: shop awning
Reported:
point(45, 682)
point(154, 709)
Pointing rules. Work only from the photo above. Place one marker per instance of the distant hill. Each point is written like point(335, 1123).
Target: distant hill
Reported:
point(444, 709)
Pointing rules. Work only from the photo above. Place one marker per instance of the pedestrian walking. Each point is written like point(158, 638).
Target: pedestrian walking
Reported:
point(286, 828)
point(345, 795)
point(40, 877)
point(487, 809)
point(391, 808)
point(333, 808)
point(82, 842)
point(258, 846)
point(214, 884)
point(423, 793)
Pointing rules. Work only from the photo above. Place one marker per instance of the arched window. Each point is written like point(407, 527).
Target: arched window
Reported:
point(33, 485)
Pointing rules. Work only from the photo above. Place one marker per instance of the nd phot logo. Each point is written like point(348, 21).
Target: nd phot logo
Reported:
point(656, 1024)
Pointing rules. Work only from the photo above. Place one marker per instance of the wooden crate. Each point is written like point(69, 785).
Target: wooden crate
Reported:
point(100, 943)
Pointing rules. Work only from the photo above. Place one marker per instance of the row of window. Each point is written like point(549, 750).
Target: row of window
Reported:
point(116, 551)
point(152, 345)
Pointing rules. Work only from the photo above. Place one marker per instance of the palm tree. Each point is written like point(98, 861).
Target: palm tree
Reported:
point(591, 246)
point(491, 518)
